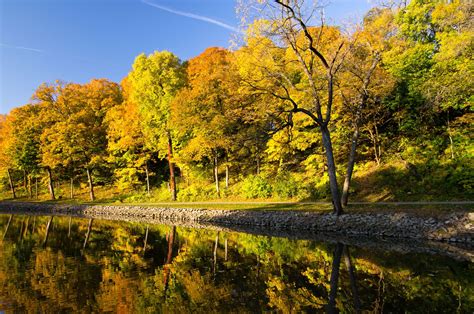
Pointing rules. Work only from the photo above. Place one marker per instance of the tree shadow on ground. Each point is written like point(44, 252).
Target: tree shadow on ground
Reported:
point(409, 182)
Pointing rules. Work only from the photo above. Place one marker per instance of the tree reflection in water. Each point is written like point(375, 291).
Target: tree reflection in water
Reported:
point(89, 228)
point(48, 226)
point(85, 265)
point(8, 226)
point(340, 250)
point(169, 258)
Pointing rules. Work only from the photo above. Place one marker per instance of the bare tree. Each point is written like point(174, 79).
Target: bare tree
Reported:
point(318, 53)
point(357, 105)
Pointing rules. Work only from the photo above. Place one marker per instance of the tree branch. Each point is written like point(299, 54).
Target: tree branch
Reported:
point(306, 33)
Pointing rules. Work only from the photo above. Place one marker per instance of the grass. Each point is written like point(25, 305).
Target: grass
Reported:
point(111, 195)
point(398, 181)
point(423, 210)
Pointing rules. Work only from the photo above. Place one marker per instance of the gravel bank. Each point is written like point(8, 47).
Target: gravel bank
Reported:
point(455, 227)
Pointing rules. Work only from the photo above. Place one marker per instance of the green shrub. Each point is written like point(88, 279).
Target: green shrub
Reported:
point(190, 194)
point(321, 189)
point(194, 193)
point(161, 194)
point(136, 197)
point(285, 185)
point(127, 178)
point(256, 187)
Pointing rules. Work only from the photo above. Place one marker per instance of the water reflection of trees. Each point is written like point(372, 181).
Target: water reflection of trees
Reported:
point(63, 264)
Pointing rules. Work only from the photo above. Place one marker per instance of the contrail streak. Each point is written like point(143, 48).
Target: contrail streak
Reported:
point(193, 16)
point(22, 48)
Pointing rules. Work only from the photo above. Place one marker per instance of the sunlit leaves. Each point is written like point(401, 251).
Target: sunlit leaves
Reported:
point(154, 81)
point(77, 135)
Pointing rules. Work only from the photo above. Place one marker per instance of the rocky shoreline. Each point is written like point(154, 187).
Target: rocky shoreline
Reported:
point(455, 227)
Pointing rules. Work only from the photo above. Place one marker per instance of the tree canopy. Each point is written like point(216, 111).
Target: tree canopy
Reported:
point(290, 111)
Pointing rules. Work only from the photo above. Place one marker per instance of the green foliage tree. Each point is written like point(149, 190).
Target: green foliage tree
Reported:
point(154, 81)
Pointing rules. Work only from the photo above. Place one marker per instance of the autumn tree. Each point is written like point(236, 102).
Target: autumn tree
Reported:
point(449, 86)
point(6, 162)
point(27, 128)
point(126, 142)
point(304, 69)
point(154, 81)
point(20, 141)
point(363, 83)
point(431, 104)
point(49, 97)
point(207, 109)
point(77, 137)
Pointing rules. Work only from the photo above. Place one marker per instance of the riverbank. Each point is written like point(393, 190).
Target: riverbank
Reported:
point(452, 227)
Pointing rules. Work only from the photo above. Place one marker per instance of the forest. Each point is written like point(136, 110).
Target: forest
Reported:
point(296, 110)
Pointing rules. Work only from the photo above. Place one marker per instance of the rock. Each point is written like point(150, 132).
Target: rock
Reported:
point(470, 216)
point(384, 225)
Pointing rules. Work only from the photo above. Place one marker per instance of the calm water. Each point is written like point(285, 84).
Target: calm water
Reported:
point(79, 265)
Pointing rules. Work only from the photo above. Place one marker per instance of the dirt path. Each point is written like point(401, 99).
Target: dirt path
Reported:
point(322, 203)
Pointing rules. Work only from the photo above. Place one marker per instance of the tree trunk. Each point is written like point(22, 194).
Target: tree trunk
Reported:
point(91, 184)
point(226, 176)
point(27, 224)
point(336, 262)
point(225, 248)
point(258, 165)
point(36, 187)
point(147, 180)
point(48, 226)
point(20, 238)
point(50, 184)
point(146, 239)
point(89, 228)
point(72, 187)
point(379, 301)
point(374, 138)
point(363, 101)
point(69, 228)
point(171, 166)
point(169, 257)
point(25, 184)
point(30, 188)
point(216, 243)
point(451, 143)
point(227, 168)
point(379, 150)
point(352, 278)
point(216, 175)
point(336, 200)
point(350, 167)
point(12, 186)
point(8, 226)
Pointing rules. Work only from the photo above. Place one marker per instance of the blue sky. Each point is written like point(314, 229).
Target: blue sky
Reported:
point(78, 40)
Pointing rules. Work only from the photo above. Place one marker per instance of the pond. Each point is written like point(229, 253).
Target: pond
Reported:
point(67, 264)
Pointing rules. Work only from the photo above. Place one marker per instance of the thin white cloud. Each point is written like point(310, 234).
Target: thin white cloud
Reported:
point(22, 48)
point(193, 16)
